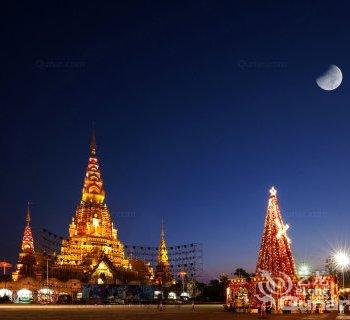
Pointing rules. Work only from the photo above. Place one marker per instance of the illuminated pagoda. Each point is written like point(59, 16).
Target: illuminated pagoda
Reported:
point(93, 250)
point(26, 265)
point(275, 254)
point(163, 271)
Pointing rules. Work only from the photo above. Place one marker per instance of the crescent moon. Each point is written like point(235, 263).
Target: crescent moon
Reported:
point(331, 79)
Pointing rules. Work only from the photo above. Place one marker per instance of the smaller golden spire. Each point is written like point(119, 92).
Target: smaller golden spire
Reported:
point(163, 257)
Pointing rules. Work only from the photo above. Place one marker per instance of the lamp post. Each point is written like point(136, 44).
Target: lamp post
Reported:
point(182, 275)
point(47, 294)
point(342, 261)
point(4, 265)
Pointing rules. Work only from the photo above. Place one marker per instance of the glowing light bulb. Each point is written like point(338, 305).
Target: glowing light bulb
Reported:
point(341, 260)
point(304, 270)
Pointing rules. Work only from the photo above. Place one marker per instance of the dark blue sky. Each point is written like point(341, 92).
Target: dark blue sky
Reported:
point(199, 106)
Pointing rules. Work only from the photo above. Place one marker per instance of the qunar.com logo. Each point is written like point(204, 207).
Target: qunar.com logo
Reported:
point(273, 288)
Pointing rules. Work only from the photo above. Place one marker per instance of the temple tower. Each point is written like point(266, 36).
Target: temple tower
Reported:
point(163, 270)
point(26, 260)
point(92, 234)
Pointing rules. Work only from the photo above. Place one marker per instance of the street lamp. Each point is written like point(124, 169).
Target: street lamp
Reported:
point(182, 275)
point(4, 265)
point(342, 261)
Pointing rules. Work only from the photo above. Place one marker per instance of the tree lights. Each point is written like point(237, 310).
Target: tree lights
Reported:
point(275, 253)
point(276, 283)
point(282, 230)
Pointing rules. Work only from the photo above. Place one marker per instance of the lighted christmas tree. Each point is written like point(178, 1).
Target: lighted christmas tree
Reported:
point(275, 253)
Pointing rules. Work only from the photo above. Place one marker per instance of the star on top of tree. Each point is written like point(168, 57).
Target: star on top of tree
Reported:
point(273, 191)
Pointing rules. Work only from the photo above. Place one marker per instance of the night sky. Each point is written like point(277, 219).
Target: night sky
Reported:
point(199, 107)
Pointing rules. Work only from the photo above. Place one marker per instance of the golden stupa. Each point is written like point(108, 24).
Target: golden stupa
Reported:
point(93, 246)
point(163, 269)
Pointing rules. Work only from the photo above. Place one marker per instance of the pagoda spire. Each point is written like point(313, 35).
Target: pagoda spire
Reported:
point(92, 233)
point(93, 190)
point(28, 218)
point(275, 253)
point(162, 233)
point(163, 268)
point(163, 257)
point(93, 145)
point(27, 245)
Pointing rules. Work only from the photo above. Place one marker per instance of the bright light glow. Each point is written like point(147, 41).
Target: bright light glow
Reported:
point(24, 294)
point(172, 295)
point(46, 291)
point(95, 222)
point(304, 270)
point(341, 260)
point(273, 191)
point(5, 292)
point(282, 230)
point(158, 293)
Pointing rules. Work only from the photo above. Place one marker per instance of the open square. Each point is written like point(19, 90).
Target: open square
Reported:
point(185, 312)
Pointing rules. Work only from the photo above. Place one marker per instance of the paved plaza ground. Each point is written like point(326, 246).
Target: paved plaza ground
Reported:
point(98, 312)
